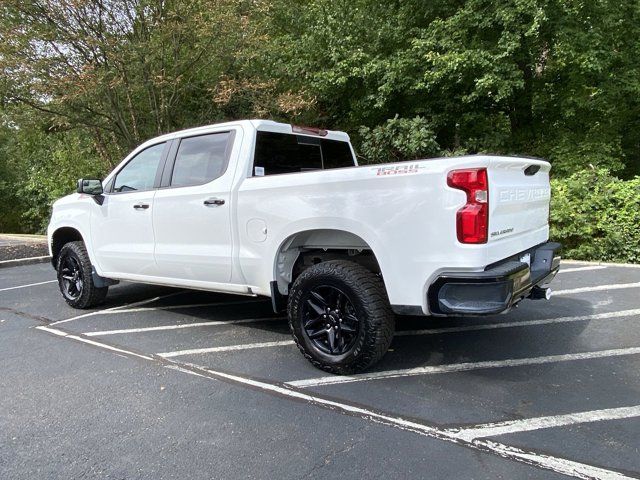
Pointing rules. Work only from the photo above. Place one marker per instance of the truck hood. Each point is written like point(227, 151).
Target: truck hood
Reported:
point(67, 200)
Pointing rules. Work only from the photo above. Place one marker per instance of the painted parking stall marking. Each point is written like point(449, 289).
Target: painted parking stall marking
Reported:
point(160, 328)
point(464, 367)
point(480, 437)
point(633, 314)
point(529, 424)
point(192, 305)
point(117, 309)
point(227, 348)
point(582, 269)
point(548, 462)
point(79, 338)
point(137, 308)
point(597, 288)
point(28, 285)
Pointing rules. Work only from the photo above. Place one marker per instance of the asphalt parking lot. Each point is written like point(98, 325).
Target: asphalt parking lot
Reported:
point(164, 383)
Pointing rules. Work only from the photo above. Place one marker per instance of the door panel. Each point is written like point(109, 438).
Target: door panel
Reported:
point(193, 240)
point(121, 228)
point(123, 235)
point(192, 216)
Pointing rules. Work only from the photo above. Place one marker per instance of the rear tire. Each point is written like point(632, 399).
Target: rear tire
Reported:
point(340, 317)
point(75, 277)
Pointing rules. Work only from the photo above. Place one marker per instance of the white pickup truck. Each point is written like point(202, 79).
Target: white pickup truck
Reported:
point(256, 207)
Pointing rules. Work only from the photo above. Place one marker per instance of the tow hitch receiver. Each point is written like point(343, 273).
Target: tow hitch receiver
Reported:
point(539, 293)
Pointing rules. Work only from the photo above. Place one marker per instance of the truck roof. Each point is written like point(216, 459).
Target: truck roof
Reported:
point(258, 124)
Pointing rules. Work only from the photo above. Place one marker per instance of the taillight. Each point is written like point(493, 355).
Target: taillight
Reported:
point(473, 218)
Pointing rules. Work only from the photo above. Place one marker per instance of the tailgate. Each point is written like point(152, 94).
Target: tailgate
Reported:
point(519, 195)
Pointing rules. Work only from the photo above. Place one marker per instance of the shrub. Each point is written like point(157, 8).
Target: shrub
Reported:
point(398, 139)
point(596, 216)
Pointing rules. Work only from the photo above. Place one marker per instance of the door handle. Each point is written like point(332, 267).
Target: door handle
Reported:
point(141, 206)
point(214, 201)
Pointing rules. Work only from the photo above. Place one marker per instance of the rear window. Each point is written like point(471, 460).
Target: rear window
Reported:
point(278, 153)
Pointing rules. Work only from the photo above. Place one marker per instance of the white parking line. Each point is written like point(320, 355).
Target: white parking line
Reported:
point(60, 333)
point(147, 301)
point(131, 307)
point(226, 348)
point(191, 305)
point(28, 285)
point(211, 323)
point(434, 331)
point(548, 462)
point(556, 464)
point(522, 323)
point(464, 367)
point(538, 423)
point(117, 309)
point(606, 264)
point(618, 286)
point(581, 269)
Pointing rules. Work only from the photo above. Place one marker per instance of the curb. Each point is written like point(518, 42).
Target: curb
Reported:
point(24, 261)
point(604, 264)
point(24, 237)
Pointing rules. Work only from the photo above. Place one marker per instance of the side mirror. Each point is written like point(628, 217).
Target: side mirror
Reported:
point(89, 186)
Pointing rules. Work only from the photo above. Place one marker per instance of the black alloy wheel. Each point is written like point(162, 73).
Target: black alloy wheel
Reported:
point(330, 320)
point(71, 278)
point(340, 317)
point(75, 277)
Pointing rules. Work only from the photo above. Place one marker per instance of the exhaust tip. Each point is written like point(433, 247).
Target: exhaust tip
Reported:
point(539, 293)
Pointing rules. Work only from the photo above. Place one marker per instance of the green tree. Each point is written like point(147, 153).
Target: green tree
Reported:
point(539, 77)
point(84, 81)
point(123, 70)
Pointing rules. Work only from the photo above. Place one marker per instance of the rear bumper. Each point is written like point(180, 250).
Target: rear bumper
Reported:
point(498, 287)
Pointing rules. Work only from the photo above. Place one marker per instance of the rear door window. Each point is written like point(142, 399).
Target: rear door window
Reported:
point(200, 159)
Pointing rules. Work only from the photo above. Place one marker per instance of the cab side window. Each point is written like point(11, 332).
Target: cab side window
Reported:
point(140, 172)
point(278, 153)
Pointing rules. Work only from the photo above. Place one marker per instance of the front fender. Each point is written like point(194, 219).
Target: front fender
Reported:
point(73, 212)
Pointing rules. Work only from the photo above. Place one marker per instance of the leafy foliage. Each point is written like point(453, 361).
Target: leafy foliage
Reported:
point(84, 81)
point(597, 216)
point(10, 173)
point(398, 139)
point(42, 167)
point(538, 77)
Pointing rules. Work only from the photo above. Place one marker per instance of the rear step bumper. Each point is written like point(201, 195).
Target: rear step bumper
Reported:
point(498, 288)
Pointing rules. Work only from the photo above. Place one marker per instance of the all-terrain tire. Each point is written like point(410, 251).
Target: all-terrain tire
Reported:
point(73, 261)
point(367, 296)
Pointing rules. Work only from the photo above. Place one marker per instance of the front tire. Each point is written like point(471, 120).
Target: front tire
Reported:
point(75, 277)
point(340, 316)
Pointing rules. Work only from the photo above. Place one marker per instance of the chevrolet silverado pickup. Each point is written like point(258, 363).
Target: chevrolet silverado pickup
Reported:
point(261, 208)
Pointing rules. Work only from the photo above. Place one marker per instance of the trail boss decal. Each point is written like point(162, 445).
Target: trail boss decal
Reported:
point(398, 169)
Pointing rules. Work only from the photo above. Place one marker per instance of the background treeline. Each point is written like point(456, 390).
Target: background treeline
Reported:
point(82, 82)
